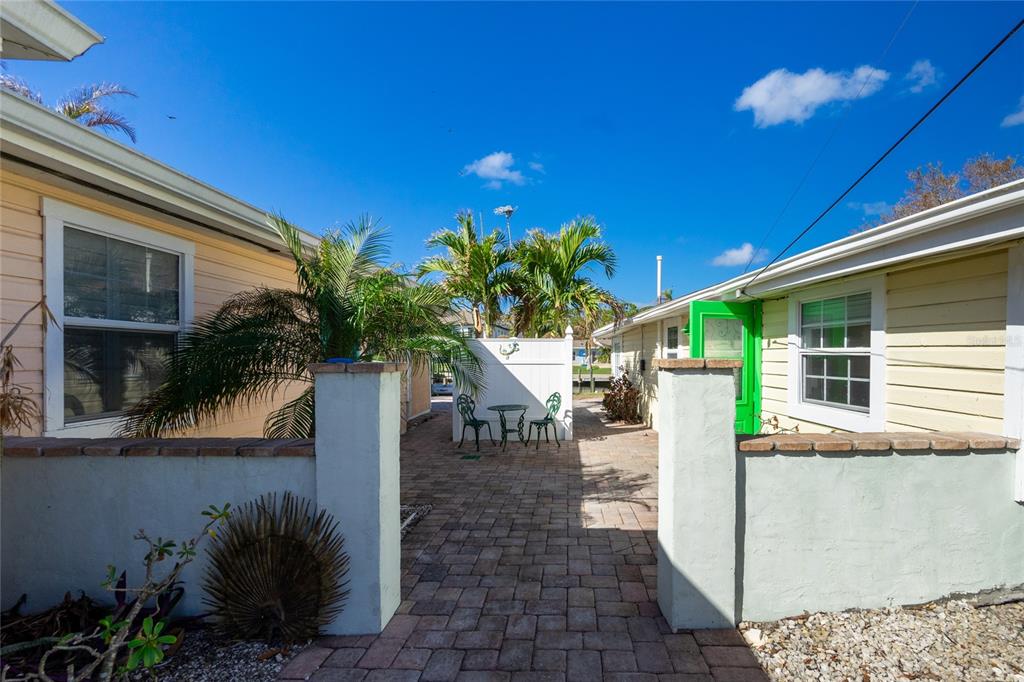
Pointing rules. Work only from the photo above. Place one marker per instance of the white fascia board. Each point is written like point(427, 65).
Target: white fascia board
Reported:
point(988, 217)
point(37, 135)
point(42, 30)
point(990, 220)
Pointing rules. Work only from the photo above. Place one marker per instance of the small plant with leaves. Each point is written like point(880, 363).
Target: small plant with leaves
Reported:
point(134, 636)
point(772, 427)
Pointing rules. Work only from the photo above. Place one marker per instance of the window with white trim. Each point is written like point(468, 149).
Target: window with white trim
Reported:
point(672, 342)
point(122, 294)
point(121, 321)
point(835, 351)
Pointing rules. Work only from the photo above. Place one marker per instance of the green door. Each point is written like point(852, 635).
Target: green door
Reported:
point(732, 330)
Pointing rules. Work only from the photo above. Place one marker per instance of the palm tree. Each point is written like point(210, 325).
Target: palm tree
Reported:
point(473, 270)
point(552, 285)
point(84, 105)
point(263, 340)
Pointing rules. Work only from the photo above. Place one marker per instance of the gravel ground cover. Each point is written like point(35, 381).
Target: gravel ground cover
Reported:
point(950, 640)
point(204, 658)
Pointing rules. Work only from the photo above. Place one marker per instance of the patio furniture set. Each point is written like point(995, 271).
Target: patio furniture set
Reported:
point(467, 408)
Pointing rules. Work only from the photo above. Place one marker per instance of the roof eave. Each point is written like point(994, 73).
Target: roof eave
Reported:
point(42, 30)
point(827, 261)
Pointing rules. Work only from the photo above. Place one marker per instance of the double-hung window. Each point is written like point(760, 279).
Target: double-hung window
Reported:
point(122, 294)
point(837, 355)
point(835, 351)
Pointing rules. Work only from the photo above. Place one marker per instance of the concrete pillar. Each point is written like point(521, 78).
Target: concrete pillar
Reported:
point(358, 418)
point(697, 492)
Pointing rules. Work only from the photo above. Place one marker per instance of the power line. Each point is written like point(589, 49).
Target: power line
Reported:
point(889, 151)
point(828, 141)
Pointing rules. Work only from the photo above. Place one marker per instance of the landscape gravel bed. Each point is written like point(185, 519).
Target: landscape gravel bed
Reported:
point(951, 640)
point(203, 657)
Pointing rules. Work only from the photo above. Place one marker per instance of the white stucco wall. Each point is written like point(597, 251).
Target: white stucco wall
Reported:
point(832, 532)
point(522, 371)
point(64, 519)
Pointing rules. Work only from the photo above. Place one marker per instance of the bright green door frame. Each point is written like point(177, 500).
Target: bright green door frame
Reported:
point(720, 329)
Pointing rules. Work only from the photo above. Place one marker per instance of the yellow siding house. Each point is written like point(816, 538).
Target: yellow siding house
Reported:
point(914, 325)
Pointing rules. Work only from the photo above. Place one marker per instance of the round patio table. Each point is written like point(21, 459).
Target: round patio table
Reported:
point(505, 430)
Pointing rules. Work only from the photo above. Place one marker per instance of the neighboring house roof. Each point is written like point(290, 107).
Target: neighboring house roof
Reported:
point(41, 29)
point(38, 141)
point(995, 215)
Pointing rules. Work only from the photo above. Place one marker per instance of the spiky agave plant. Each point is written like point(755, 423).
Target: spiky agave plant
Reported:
point(276, 571)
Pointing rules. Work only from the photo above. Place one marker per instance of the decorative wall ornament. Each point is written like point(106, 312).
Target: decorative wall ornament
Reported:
point(508, 350)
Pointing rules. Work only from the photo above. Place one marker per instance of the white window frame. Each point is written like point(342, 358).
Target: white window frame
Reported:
point(674, 350)
point(56, 216)
point(616, 355)
point(833, 416)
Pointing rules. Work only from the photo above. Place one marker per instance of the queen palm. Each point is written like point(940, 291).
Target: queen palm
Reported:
point(472, 270)
point(262, 341)
point(552, 283)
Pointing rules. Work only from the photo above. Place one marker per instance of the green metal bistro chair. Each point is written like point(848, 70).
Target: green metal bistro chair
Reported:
point(553, 403)
point(466, 408)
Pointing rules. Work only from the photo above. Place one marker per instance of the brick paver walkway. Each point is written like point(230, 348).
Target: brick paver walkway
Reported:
point(532, 565)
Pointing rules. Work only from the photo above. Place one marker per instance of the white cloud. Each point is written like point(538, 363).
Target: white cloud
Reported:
point(1017, 117)
point(496, 168)
point(786, 96)
point(536, 166)
point(922, 74)
point(740, 256)
point(870, 207)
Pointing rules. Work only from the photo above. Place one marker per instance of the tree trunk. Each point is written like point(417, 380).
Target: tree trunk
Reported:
point(478, 325)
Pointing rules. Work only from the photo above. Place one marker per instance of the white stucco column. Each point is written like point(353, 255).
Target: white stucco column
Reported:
point(358, 418)
point(697, 492)
point(1013, 390)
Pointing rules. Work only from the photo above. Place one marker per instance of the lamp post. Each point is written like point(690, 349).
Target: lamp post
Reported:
point(507, 211)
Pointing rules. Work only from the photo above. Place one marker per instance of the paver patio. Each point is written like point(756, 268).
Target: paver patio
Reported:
point(531, 565)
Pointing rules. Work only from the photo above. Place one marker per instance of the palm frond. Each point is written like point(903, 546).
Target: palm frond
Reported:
point(241, 355)
point(104, 118)
point(85, 106)
point(295, 419)
point(19, 86)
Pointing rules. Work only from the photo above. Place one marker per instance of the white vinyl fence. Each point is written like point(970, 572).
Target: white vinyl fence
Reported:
point(521, 371)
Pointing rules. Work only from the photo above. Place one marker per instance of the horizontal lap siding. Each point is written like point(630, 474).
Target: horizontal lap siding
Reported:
point(222, 267)
point(639, 343)
point(946, 345)
point(21, 282)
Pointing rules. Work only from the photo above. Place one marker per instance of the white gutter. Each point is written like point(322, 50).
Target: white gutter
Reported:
point(931, 232)
point(39, 137)
point(42, 30)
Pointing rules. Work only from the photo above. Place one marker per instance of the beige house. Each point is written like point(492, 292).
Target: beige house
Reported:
point(84, 220)
point(914, 325)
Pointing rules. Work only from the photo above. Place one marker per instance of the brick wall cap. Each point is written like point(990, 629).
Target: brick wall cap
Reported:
point(696, 363)
point(356, 367)
point(156, 447)
point(945, 441)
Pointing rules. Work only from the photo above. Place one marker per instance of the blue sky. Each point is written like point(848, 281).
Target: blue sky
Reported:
point(683, 128)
